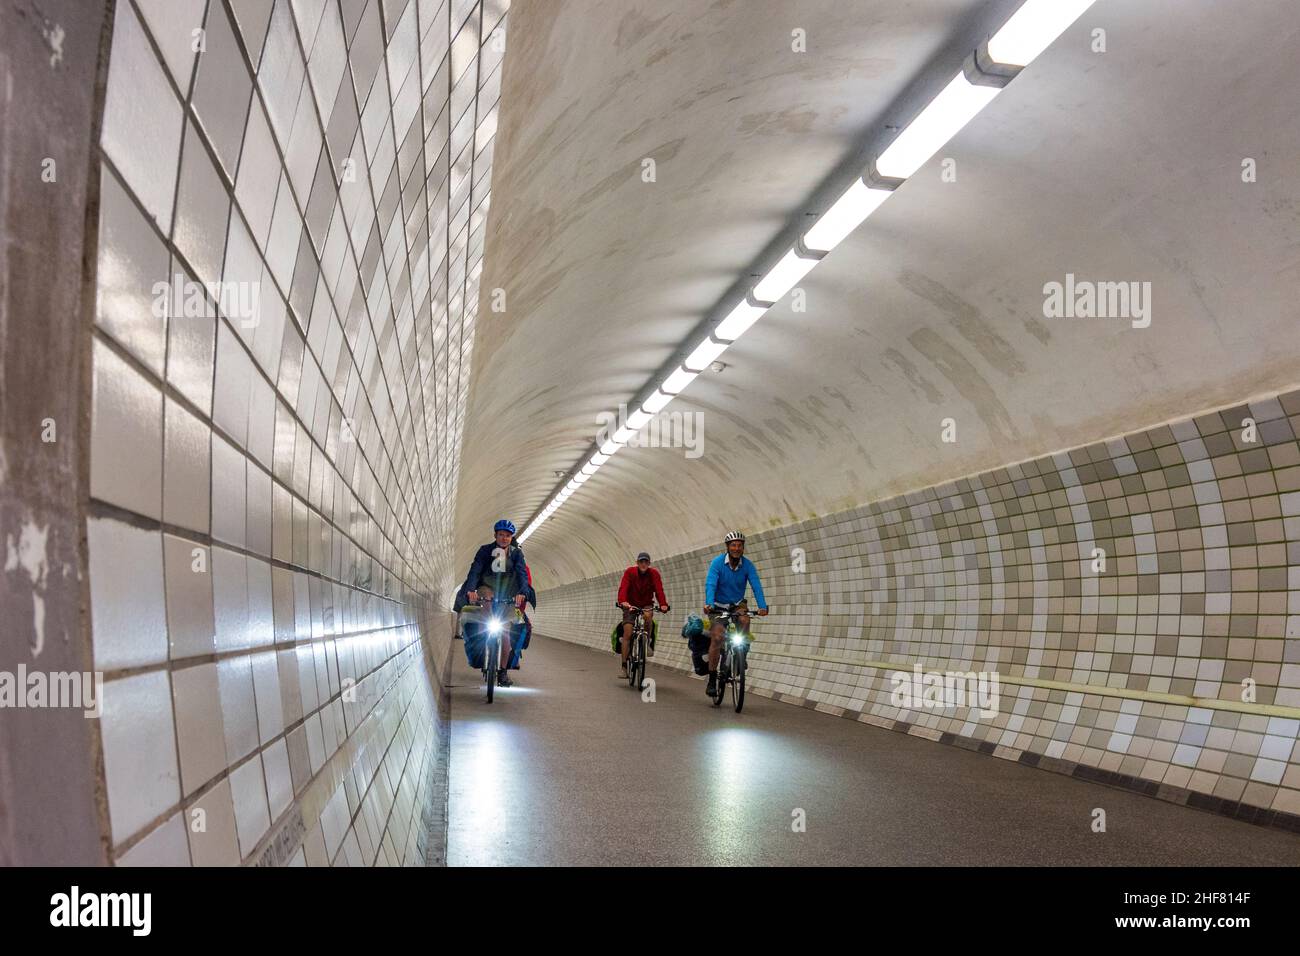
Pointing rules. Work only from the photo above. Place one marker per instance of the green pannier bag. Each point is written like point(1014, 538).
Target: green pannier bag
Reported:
point(615, 634)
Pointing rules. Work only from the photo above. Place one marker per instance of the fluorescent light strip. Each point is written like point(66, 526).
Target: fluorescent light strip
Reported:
point(847, 213)
point(656, 402)
point(704, 354)
point(941, 120)
point(1032, 29)
point(674, 383)
point(785, 275)
point(738, 321)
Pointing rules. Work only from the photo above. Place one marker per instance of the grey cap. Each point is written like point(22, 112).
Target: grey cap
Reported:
point(643, 556)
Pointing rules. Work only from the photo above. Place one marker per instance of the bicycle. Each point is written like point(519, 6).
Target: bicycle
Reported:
point(734, 660)
point(638, 648)
point(493, 627)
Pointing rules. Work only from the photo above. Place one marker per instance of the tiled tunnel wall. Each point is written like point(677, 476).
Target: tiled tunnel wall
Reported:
point(1200, 593)
point(273, 460)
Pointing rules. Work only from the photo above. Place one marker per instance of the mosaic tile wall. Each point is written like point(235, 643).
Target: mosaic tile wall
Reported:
point(1200, 592)
point(293, 199)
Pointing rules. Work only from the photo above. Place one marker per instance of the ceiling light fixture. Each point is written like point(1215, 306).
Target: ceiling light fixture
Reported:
point(993, 64)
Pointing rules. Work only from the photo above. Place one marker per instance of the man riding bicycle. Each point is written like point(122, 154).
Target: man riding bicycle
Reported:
point(498, 569)
point(729, 573)
point(640, 586)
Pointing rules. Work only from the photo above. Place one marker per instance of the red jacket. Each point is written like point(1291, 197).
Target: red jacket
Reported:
point(639, 589)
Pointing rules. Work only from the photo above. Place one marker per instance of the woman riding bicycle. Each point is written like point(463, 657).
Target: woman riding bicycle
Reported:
point(499, 569)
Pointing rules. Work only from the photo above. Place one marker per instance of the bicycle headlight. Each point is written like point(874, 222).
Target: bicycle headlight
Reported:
point(494, 626)
point(738, 638)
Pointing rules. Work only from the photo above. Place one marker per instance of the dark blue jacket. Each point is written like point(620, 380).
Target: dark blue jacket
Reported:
point(505, 584)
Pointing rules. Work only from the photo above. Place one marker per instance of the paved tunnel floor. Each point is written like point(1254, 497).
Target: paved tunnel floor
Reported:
point(571, 767)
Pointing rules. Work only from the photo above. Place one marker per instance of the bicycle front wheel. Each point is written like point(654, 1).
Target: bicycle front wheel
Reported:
point(738, 680)
point(491, 658)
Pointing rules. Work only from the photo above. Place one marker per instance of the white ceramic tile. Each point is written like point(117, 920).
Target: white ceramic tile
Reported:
point(165, 846)
point(176, 26)
point(202, 210)
point(128, 607)
point(307, 679)
point(248, 788)
point(259, 175)
point(132, 261)
point(222, 89)
point(210, 823)
point(266, 683)
point(283, 239)
point(230, 599)
point(139, 751)
point(200, 727)
point(261, 419)
point(314, 846)
point(259, 520)
point(233, 380)
point(142, 119)
point(261, 622)
point(187, 475)
point(238, 707)
point(282, 607)
point(191, 628)
point(279, 783)
point(243, 271)
point(126, 436)
point(299, 760)
point(190, 350)
point(281, 72)
point(315, 743)
point(229, 492)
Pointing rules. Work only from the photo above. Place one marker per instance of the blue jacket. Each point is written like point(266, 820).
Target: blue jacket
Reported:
point(505, 584)
point(727, 586)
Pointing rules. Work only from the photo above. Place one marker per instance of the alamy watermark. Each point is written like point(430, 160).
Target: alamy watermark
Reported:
point(129, 910)
point(185, 298)
point(1085, 299)
point(664, 430)
point(83, 691)
point(943, 690)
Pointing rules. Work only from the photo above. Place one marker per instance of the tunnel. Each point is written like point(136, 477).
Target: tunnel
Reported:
point(929, 370)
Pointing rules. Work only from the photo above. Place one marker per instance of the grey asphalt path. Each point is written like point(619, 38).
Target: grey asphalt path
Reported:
point(571, 767)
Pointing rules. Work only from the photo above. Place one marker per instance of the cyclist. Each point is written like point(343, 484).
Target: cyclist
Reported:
point(640, 586)
point(729, 573)
point(499, 569)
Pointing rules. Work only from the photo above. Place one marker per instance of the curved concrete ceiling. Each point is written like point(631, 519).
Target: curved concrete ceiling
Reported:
point(1117, 166)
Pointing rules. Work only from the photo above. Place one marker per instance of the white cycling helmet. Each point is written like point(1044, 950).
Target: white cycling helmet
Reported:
point(734, 536)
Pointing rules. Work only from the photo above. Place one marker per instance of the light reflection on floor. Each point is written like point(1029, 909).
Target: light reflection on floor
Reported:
point(478, 798)
point(731, 759)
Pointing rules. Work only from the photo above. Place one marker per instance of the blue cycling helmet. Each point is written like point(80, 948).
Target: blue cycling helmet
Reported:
point(505, 524)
